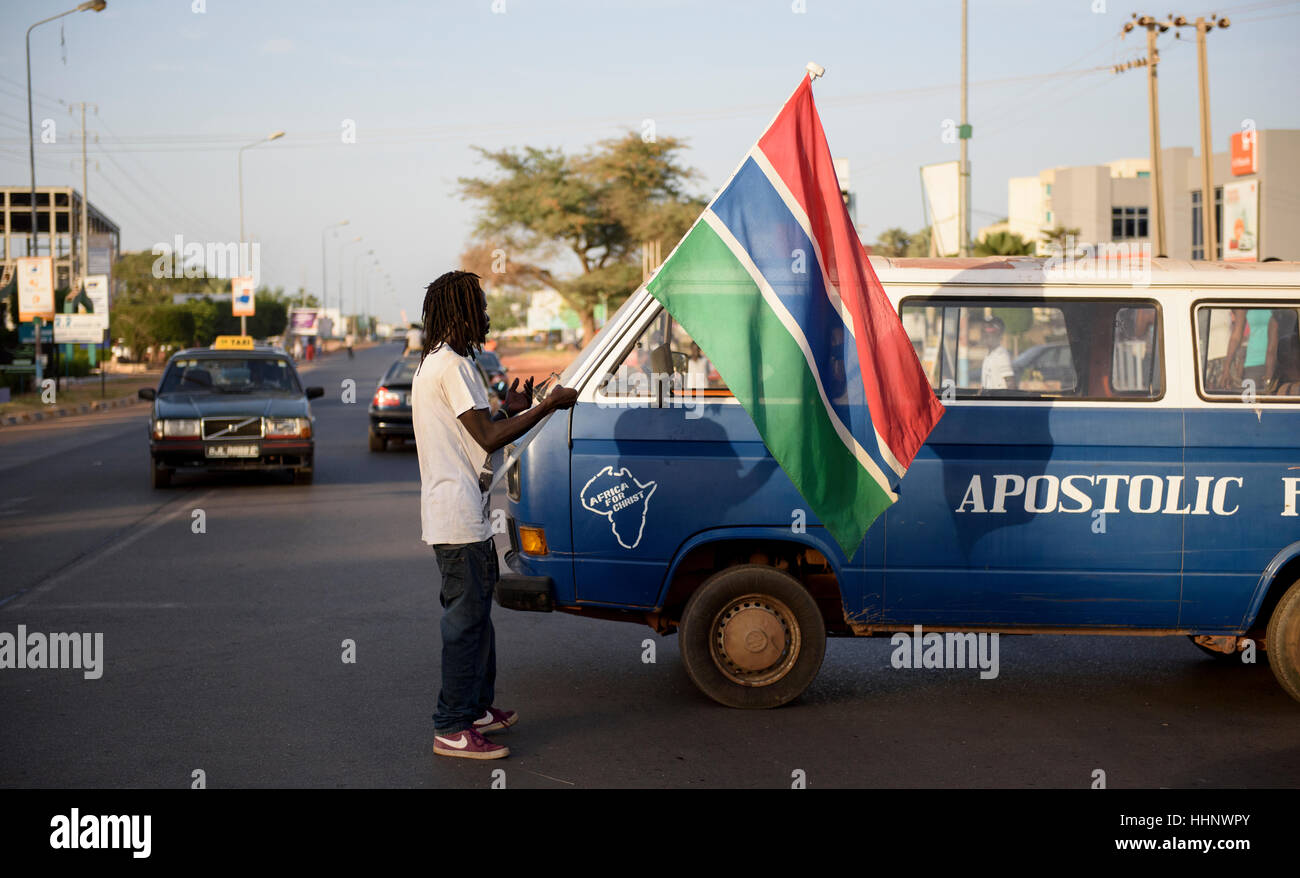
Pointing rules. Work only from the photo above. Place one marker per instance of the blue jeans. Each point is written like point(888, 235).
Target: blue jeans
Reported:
point(469, 650)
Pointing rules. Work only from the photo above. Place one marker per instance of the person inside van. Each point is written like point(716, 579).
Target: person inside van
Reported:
point(1282, 360)
point(454, 437)
point(996, 373)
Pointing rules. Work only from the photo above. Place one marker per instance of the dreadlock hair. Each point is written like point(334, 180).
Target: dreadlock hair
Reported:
point(453, 314)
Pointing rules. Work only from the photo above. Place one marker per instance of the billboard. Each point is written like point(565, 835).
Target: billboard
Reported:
point(35, 288)
point(304, 321)
point(1241, 221)
point(939, 186)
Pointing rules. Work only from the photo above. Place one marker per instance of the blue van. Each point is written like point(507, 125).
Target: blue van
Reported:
point(1120, 455)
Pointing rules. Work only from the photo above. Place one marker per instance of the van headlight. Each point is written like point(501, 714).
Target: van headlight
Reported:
point(287, 428)
point(176, 428)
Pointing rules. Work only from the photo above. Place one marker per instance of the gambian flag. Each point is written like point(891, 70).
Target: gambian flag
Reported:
point(775, 287)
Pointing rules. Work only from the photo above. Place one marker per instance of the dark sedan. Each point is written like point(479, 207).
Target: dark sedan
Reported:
point(220, 409)
point(390, 407)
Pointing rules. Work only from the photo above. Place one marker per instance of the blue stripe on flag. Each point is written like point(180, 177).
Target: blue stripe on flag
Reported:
point(752, 209)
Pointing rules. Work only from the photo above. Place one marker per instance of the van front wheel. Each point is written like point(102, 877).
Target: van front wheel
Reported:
point(1283, 639)
point(752, 637)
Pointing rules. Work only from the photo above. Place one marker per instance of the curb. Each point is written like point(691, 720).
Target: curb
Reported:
point(84, 408)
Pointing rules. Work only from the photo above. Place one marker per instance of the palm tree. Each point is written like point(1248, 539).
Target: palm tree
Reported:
point(1058, 238)
point(1003, 244)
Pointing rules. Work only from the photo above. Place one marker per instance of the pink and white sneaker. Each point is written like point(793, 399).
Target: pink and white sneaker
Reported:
point(495, 720)
point(468, 744)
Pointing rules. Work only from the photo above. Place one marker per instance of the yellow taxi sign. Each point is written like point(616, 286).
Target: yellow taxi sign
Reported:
point(233, 343)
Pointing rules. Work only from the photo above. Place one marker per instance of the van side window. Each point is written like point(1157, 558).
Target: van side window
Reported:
point(693, 373)
point(646, 363)
point(1248, 353)
point(665, 357)
point(1019, 349)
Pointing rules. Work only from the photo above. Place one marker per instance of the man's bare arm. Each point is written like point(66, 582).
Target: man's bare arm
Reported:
point(492, 435)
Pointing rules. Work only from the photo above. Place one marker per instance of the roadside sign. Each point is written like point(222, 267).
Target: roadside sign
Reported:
point(232, 343)
point(35, 287)
point(241, 296)
point(78, 329)
point(27, 333)
point(97, 292)
point(1245, 153)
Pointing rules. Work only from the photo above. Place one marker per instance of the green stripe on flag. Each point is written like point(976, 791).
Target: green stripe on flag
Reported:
point(710, 293)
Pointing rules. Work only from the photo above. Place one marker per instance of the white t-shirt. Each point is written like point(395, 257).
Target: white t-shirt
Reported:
point(453, 508)
point(997, 369)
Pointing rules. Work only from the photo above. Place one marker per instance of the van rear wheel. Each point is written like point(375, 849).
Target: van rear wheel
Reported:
point(1283, 639)
point(752, 637)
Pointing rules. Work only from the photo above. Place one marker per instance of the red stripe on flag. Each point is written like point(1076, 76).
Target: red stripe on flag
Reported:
point(903, 406)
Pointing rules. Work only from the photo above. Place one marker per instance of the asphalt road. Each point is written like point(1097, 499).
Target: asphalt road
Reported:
point(223, 654)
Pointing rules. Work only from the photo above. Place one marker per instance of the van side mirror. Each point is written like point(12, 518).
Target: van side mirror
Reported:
point(315, 392)
point(147, 393)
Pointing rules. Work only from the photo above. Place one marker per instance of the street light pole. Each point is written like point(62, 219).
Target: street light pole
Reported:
point(90, 6)
point(333, 229)
point(243, 242)
point(356, 283)
point(95, 6)
point(342, 248)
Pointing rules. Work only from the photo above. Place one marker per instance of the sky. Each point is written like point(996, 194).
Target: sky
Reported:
point(180, 85)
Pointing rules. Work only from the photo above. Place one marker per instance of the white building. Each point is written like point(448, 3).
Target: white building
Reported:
point(1111, 202)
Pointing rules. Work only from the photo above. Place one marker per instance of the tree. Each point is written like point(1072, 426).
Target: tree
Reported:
point(920, 243)
point(1059, 238)
point(598, 207)
point(1003, 244)
point(893, 242)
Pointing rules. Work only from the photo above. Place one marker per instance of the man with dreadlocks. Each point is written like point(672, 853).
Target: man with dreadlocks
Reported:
point(455, 437)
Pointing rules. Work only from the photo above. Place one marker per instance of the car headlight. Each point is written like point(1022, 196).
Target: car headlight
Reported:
point(176, 428)
point(287, 428)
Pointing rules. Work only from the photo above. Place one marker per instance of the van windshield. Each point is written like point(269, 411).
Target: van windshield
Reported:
point(566, 377)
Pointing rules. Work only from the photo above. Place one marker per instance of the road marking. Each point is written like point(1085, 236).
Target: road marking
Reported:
point(113, 543)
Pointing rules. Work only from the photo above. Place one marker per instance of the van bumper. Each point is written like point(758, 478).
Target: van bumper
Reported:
point(516, 591)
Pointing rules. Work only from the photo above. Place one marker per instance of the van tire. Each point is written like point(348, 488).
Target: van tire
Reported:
point(1283, 639)
point(758, 672)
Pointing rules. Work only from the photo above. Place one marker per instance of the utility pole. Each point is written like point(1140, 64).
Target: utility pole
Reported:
point(1154, 28)
point(84, 261)
point(963, 187)
point(84, 250)
point(1209, 223)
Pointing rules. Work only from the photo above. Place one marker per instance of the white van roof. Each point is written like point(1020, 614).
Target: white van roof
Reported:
point(1035, 270)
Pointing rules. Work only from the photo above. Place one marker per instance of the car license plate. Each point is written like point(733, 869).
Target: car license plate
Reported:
point(231, 451)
